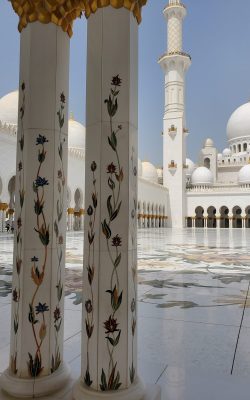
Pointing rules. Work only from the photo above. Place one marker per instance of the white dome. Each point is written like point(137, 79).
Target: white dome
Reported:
point(209, 143)
point(226, 153)
point(76, 138)
point(202, 176)
point(139, 168)
point(244, 175)
point(9, 108)
point(190, 167)
point(9, 113)
point(219, 156)
point(239, 123)
point(149, 172)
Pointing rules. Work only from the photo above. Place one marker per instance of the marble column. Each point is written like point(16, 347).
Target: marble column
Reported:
point(81, 219)
point(244, 222)
point(1, 220)
point(37, 317)
point(109, 337)
point(4, 219)
point(231, 221)
point(70, 219)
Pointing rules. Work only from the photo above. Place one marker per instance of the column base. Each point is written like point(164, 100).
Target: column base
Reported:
point(137, 391)
point(28, 388)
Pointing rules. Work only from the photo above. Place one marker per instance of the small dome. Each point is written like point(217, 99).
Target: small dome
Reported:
point(202, 176)
point(149, 172)
point(226, 153)
point(219, 156)
point(209, 143)
point(139, 168)
point(76, 138)
point(190, 167)
point(239, 123)
point(244, 175)
point(9, 108)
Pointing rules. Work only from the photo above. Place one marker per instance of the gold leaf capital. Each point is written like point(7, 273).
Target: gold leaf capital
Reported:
point(135, 6)
point(60, 12)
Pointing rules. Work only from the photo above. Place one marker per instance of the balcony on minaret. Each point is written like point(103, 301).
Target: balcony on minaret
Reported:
point(172, 131)
point(185, 131)
point(172, 165)
point(175, 3)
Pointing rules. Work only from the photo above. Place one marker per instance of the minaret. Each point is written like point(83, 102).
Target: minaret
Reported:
point(175, 64)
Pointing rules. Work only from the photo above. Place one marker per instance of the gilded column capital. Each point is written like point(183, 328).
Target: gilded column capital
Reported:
point(134, 6)
point(60, 12)
point(3, 206)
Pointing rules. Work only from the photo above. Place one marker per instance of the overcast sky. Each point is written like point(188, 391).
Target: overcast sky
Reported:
point(216, 34)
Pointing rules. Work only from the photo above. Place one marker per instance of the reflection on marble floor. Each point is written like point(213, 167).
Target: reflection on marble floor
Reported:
point(194, 302)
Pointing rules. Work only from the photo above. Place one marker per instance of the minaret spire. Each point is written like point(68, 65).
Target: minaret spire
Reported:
point(175, 63)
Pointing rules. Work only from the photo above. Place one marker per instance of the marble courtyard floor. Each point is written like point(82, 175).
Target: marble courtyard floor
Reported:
point(193, 306)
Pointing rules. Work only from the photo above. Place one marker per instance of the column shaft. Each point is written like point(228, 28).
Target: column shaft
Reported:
point(36, 345)
point(109, 358)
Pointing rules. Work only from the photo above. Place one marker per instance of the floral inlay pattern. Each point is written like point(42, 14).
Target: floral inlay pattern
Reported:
point(16, 293)
point(110, 379)
point(37, 310)
point(58, 229)
point(89, 303)
point(133, 309)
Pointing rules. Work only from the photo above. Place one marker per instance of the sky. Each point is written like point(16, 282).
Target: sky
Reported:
point(216, 35)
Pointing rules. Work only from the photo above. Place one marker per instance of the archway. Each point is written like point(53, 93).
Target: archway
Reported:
point(148, 215)
point(224, 218)
point(211, 220)
point(68, 197)
point(237, 217)
point(247, 217)
point(189, 222)
point(78, 197)
point(11, 190)
point(160, 216)
point(199, 217)
point(207, 162)
point(144, 215)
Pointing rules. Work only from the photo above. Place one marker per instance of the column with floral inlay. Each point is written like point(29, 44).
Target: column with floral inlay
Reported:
point(37, 316)
point(109, 327)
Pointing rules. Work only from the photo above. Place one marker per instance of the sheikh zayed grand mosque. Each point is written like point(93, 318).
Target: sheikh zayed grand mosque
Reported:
point(112, 311)
point(214, 192)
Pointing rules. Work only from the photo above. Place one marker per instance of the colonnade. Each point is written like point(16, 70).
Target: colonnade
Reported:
point(152, 221)
point(218, 222)
point(75, 219)
point(3, 215)
point(109, 328)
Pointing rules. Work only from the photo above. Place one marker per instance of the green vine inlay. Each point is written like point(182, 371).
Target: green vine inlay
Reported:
point(110, 380)
point(58, 229)
point(37, 312)
point(133, 308)
point(89, 303)
point(16, 292)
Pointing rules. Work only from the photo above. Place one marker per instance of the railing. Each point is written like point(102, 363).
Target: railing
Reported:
point(218, 189)
point(173, 3)
point(175, 53)
point(232, 163)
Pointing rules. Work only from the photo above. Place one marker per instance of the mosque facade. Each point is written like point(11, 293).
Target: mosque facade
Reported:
point(214, 192)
